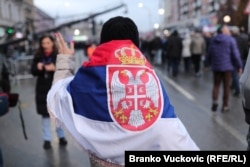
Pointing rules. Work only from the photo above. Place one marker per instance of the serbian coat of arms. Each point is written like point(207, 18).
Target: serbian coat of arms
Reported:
point(134, 96)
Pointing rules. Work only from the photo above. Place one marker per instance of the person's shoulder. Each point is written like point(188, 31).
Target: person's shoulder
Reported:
point(231, 39)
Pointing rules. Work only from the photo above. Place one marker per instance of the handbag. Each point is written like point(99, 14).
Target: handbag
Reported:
point(4, 103)
point(13, 99)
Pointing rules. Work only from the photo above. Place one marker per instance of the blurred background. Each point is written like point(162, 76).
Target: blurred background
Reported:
point(80, 20)
point(22, 21)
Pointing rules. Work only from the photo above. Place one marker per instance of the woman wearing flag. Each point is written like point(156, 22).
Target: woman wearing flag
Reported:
point(115, 102)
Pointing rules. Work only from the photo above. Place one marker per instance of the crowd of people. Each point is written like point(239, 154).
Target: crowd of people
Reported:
point(191, 47)
point(116, 64)
point(223, 51)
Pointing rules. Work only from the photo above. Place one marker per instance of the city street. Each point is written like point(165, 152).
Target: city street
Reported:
point(190, 96)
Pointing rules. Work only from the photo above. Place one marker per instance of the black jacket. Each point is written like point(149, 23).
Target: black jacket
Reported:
point(242, 46)
point(44, 81)
point(173, 46)
point(4, 78)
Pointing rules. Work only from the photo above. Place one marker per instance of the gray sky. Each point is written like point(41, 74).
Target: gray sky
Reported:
point(144, 17)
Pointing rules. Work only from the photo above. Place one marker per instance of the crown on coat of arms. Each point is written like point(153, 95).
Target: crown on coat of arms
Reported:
point(130, 55)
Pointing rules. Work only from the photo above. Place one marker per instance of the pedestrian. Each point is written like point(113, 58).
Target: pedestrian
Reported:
point(4, 74)
point(157, 50)
point(116, 99)
point(5, 87)
point(242, 45)
point(207, 35)
point(174, 51)
point(186, 52)
point(145, 47)
point(198, 48)
point(245, 91)
point(43, 67)
point(224, 57)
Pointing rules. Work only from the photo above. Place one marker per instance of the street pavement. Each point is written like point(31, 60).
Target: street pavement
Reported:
point(190, 96)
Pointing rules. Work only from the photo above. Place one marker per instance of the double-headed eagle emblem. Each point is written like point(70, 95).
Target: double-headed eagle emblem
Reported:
point(136, 95)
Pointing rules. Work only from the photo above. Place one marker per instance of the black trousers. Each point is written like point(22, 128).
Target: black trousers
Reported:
point(196, 61)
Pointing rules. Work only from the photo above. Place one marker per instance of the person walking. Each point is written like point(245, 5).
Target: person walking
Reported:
point(198, 48)
point(110, 83)
point(242, 45)
point(174, 51)
point(224, 57)
point(43, 67)
point(207, 35)
point(186, 52)
point(5, 87)
point(157, 50)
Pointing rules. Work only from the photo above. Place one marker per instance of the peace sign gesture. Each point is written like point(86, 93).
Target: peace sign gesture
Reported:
point(62, 45)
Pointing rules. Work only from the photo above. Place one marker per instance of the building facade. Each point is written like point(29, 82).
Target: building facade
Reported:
point(42, 21)
point(23, 16)
point(10, 13)
point(195, 13)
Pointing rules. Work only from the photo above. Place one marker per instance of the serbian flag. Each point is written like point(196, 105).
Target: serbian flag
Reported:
point(116, 102)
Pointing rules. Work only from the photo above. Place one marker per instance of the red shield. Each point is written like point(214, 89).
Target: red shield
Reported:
point(134, 96)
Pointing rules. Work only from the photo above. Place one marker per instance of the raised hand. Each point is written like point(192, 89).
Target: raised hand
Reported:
point(62, 45)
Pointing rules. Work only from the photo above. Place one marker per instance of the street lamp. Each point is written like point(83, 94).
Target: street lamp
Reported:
point(140, 4)
point(156, 25)
point(161, 11)
point(76, 32)
point(166, 32)
point(226, 19)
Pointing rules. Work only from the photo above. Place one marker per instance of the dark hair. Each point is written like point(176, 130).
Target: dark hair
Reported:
point(175, 33)
point(40, 50)
point(219, 30)
point(119, 28)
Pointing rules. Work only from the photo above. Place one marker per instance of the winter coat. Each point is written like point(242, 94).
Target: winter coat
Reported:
point(198, 45)
point(44, 81)
point(156, 43)
point(186, 43)
point(223, 54)
point(174, 46)
point(4, 75)
point(242, 46)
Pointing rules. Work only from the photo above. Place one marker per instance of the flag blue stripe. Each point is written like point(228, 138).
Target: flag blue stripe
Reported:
point(89, 87)
point(168, 109)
